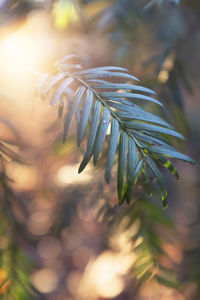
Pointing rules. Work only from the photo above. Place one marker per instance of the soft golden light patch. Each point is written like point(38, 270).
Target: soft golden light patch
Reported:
point(169, 61)
point(122, 239)
point(166, 68)
point(16, 51)
point(24, 176)
point(113, 287)
point(25, 52)
point(139, 241)
point(45, 280)
point(103, 277)
point(163, 76)
point(20, 59)
point(68, 174)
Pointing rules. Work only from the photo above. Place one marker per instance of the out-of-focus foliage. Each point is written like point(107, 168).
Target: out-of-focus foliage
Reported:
point(142, 225)
point(15, 267)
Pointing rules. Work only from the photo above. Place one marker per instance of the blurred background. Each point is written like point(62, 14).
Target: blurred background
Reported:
point(63, 235)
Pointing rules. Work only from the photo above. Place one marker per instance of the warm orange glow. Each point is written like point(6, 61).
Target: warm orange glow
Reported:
point(4, 281)
point(3, 275)
point(4, 288)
